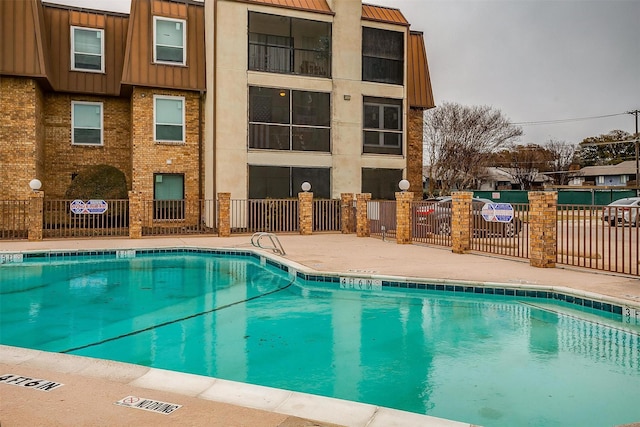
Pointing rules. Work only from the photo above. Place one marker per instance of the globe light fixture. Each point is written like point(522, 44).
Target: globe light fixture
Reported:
point(35, 184)
point(305, 186)
point(404, 185)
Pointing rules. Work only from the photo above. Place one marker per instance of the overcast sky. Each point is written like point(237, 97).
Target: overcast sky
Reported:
point(535, 60)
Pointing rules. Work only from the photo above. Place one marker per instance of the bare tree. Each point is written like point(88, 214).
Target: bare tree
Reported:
point(524, 163)
point(458, 140)
point(561, 157)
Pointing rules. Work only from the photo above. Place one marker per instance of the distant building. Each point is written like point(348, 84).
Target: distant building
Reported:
point(496, 178)
point(619, 175)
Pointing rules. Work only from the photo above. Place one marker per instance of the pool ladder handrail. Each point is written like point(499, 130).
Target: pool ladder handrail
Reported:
point(276, 246)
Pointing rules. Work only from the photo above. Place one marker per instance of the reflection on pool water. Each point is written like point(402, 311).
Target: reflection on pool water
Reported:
point(484, 359)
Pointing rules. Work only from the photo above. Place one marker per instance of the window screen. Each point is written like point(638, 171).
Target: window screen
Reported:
point(87, 123)
point(170, 40)
point(285, 119)
point(87, 47)
point(381, 183)
point(382, 56)
point(169, 119)
point(281, 182)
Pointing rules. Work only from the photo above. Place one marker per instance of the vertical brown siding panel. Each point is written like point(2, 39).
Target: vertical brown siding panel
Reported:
point(193, 48)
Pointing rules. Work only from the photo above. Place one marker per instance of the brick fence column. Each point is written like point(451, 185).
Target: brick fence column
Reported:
point(36, 213)
point(305, 213)
point(403, 217)
point(461, 221)
point(224, 214)
point(346, 209)
point(362, 221)
point(542, 228)
point(135, 215)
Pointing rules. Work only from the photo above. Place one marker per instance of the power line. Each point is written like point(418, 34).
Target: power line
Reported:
point(559, 121)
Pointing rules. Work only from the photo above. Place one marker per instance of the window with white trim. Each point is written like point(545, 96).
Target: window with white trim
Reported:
point(169, 41)
point(87, 49)
point(168, 118)
point(86, 119)
point(382, 126)
point(601, 179)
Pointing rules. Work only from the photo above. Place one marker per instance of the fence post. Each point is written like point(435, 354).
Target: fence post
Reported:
point(224, 214)
point(461, 221)
point(135, 215)
point(542, 228)
point(36, 212)
point(305, 213)
point(346, 207)
point(403, 217)
point(362, 220)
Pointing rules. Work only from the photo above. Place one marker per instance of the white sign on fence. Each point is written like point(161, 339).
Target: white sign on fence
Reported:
point(497, 212)
point(90, 207)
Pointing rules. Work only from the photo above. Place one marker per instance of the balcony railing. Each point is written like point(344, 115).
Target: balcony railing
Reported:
point(289, 60)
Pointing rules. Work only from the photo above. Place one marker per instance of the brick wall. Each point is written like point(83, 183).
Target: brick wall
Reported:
point(21, 148)
point(150, 157)
point(403, 217)
point(414, 152)
point(542, 228)
point(461, 221)
point(64, 160)
point(363, 228)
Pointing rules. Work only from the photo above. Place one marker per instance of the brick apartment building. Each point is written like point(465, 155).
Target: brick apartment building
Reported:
point(188, 99)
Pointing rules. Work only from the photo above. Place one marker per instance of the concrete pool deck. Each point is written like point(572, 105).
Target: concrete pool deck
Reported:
point(91, 387)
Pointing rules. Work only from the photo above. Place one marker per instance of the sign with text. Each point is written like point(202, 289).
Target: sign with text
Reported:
point(90, 207)
point(148, 404)
point(360, 283)
point(497, 212)
point(34, 383)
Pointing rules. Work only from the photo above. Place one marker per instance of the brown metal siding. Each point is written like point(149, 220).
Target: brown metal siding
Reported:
point(383, 14)
point(318, 6)
point(21, 50)
point(419, 90)
point(59, 22)
point(139, 69)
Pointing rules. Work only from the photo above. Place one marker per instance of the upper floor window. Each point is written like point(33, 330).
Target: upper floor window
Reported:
point(285, 119)
point(280, 44)
point(382, 56)
point(86, 119)
point(169, 41)
point(168, 118)
point(382, 126)
point(87, 48)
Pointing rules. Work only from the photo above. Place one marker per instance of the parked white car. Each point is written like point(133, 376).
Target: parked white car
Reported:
point(623, 211)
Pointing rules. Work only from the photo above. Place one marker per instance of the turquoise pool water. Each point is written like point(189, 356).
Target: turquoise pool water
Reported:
point(485, 359)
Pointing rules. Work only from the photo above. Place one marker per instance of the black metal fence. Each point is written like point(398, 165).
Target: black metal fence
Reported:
point(599, 237)
point(14, 219)
point(62, 218)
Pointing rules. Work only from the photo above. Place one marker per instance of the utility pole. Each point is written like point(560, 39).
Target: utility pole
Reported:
point(637, 138)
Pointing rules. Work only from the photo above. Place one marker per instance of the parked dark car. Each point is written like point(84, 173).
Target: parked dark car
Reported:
point(437, 216)
point(623, 211)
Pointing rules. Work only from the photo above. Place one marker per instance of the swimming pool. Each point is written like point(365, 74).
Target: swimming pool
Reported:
point(446, 350)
